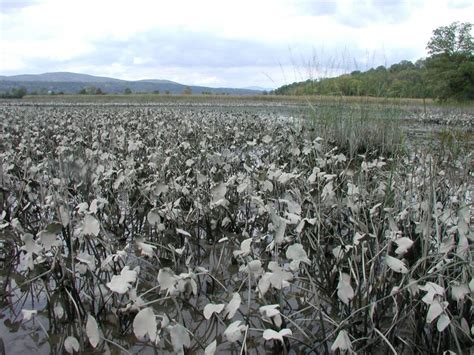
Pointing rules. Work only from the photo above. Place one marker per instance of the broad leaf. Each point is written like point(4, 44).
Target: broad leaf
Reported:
point(211, 348)
point(244, 248)
point(218, 192)
point(254, 268)
point(153, 217)
point(396, 265)
point(166, 278)
point(147, 249)
point(270, 334)
point(145, 324)
point(90, 226)
point(30, 245)
point(92, 331)
point(458, 292)
point(297, 254)
point(179, 338)
point(211, 308)
point(64, 213)
point(435, 310)
point(432, 290)
point(279, 278)
point(404, 244)
point(342, 342)
point(233, 306)
point(48, 240)
point(121, 283)
point(271, 313)
point(344, 288)
point(71, 345)
point(234, 331)
point(443, 322)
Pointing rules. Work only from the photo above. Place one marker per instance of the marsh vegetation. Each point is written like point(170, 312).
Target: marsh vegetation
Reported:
point(206, 228)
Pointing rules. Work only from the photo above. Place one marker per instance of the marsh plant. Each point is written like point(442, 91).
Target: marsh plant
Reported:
point(357, 126)
point(206, 232)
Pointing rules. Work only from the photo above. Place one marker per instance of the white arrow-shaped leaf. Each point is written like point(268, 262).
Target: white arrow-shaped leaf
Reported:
point(166, 278)
point(244, 248)
point(90, 226)
point(211, 348)
point(342, 342)
point(443, 322)
point(271, 313)
point(458, 292)
point(404, 244)
point(211, 308)
point(92, 331)
point(71, 344)
point(48, 240)
point(121, 283)
point(179, 338)
point(435, 310)
point(153, 217)
point(145, 324)
point(432, 290)
point(233, 306)
point(396, 265)
point(297, 254)
point(270, 334)
point(344, 288)
point(147, 249)
point(234, 331)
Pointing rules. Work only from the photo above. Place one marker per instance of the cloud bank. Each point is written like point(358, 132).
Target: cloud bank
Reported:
point(217, 43)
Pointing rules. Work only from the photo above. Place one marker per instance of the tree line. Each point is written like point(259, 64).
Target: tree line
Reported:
point(15, 93)
point(446, 74)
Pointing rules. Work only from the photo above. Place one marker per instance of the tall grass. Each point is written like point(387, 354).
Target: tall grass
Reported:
point(359, 128)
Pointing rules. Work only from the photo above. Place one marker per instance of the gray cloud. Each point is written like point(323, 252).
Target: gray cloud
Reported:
point(365, 13)
point(317, 8)
point(230, 62)
point(459, 4)
point(186, 49)
point(10, 6)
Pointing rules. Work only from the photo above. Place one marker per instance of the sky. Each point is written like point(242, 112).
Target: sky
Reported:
point(218, 43)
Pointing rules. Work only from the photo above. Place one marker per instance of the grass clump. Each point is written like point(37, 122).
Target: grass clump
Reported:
point(360, 128)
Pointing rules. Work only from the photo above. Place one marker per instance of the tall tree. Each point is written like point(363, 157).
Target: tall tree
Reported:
point(450, 65)
point(454, 39)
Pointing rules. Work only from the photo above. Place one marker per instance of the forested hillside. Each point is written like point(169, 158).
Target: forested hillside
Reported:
point(447, 73)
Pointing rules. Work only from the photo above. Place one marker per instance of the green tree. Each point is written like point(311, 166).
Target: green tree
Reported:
point(450, 65)
point(454, 39)
point(127, 91)
point(15, 93)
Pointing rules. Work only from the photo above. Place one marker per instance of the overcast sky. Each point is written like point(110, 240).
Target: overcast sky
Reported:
point(219, 43)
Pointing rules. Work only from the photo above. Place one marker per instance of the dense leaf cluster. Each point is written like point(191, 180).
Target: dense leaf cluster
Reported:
point(204, 230)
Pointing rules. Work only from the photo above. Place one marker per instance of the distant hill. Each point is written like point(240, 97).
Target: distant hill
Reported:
point(59, 77)
point(257, 88)
point(73, 83)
